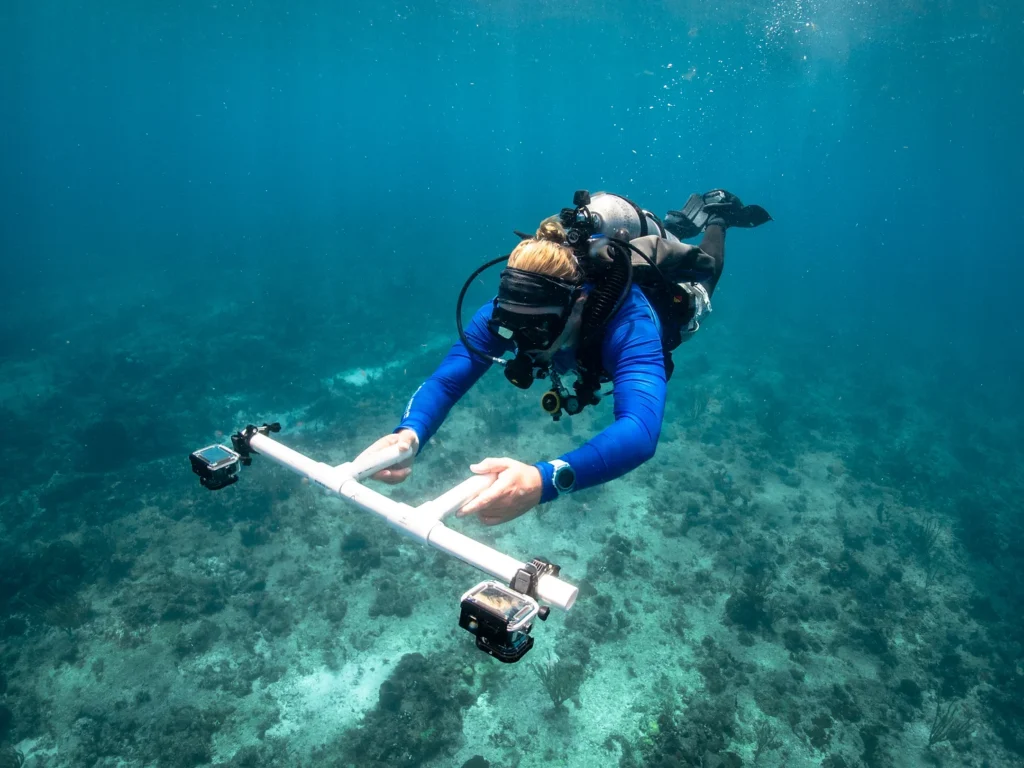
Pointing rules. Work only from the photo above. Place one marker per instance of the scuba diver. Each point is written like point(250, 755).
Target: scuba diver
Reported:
point(604, 290)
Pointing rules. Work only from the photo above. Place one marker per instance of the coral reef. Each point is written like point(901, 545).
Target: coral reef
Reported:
point(418, 717)
point(10, 757)
point(820, 567)
point(951, 724)
point(561, 679)
point(697, 736)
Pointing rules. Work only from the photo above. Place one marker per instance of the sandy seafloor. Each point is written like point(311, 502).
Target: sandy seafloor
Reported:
point(797, 562)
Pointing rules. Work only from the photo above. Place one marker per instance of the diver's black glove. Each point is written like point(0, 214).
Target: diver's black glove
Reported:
point(714, 208)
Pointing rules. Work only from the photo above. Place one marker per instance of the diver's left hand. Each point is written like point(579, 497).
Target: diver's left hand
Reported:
point(515, 491)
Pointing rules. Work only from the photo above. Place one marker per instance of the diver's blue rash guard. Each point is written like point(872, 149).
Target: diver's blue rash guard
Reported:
point(632, 355)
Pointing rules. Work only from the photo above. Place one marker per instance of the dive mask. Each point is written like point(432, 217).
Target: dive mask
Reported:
point(532, 309)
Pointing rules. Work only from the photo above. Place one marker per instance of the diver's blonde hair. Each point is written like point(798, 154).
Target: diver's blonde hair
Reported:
point(547, 253)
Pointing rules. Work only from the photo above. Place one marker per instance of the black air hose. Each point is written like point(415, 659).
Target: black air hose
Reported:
point(611, 290)
point(458, 312)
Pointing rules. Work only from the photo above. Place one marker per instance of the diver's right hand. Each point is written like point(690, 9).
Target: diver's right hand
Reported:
point(396, 474)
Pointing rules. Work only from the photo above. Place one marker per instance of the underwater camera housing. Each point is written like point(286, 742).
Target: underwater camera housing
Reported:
point(501, 617)
point(216, 465)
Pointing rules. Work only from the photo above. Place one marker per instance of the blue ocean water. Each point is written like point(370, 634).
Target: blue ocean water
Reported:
point(213, 213)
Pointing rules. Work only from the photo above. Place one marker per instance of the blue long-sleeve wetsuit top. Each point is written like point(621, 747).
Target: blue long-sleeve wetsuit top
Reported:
point(632, 356)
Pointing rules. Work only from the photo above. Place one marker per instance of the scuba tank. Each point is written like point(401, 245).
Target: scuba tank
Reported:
point(612, 215)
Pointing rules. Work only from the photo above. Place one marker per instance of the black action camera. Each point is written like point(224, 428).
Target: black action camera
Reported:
point(500, 619)
point(216, 465)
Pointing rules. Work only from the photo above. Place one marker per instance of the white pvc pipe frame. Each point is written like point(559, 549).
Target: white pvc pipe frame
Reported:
point(422, 523)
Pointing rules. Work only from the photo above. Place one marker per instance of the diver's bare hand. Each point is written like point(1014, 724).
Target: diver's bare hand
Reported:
point(515, 491)
point(396, 474)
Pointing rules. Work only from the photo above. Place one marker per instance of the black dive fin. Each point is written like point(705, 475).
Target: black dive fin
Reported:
point(750, 216)
point(521, 235)
point(688, 222)
point(725, 209)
